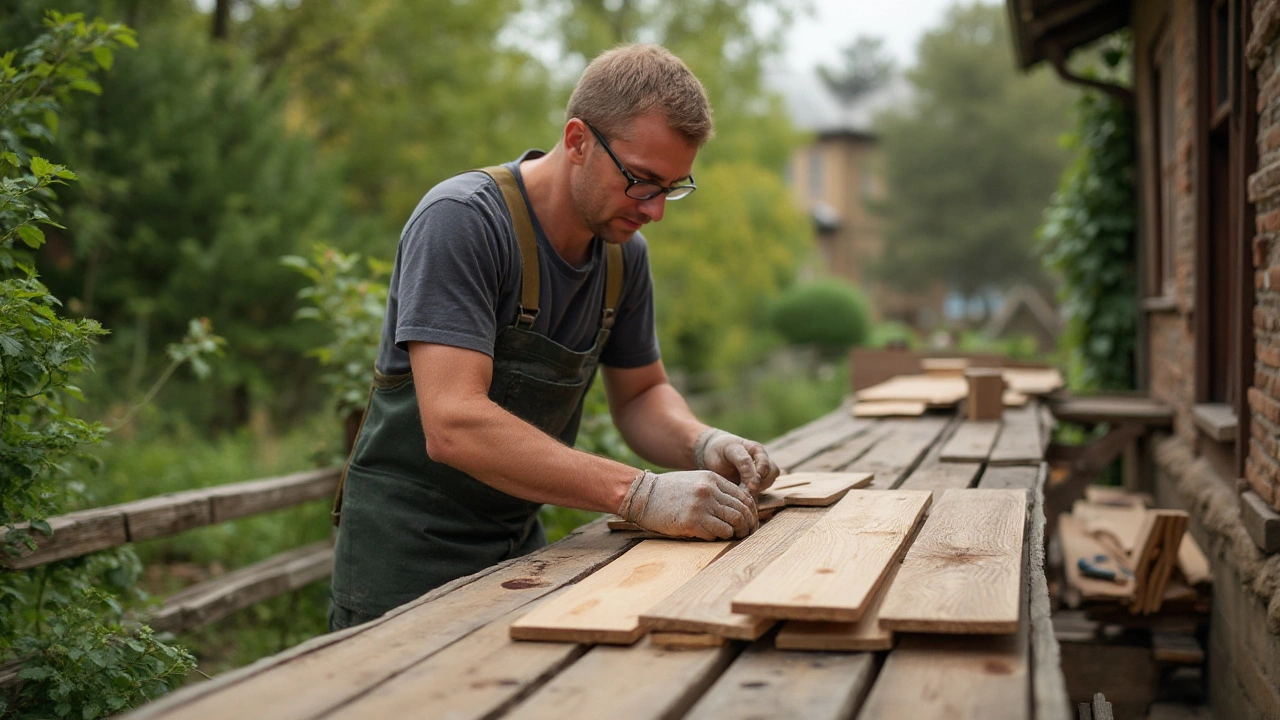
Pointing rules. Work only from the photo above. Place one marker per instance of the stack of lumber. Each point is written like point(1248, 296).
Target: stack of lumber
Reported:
point(839, 578)
point(942, 385)
point(1152, 557)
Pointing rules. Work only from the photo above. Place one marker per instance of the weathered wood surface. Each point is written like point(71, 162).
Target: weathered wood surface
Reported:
point(864, 634)
point(963, 573)
point(972, 441)
point(1020, 438)
point(703, 604)
point(449, 654)
point(837, 432)
point(832, 571)
point(87, 531)
point(813, 489)
point(606, 607)
point(765, 683)
point(903, 448)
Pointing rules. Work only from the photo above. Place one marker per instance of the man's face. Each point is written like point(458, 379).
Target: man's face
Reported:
point(649, 150)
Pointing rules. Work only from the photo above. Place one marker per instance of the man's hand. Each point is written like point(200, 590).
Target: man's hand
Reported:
point(735, 458)
point(695, 503)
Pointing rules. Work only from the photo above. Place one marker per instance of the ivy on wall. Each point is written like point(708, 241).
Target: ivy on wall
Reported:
point(1088, 238)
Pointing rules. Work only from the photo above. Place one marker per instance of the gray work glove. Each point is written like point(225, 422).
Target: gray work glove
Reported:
point(730, 456)
point(694, 503)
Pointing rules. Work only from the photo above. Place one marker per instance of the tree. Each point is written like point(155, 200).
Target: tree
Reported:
point(971, 162)
point(865, 68)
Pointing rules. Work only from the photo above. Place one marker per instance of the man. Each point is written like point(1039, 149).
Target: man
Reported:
point(509, 287)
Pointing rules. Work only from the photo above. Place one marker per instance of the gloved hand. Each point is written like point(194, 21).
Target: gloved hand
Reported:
point(735, 458)
point(695, 503)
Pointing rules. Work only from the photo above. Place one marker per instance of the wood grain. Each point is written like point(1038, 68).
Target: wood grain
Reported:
point(806, 446)
point(228, 502)
point(832, 571)
point(814, 489)
point(963, 573)
point(335, 668)
point(865, 634)
point(839, 415)
point(605, 607)
point(1122, 523)
point(643, 682)
point(1048, 685)
point(972, 441)
point(934, 391)
point(768, 684)
point(685, 640)
point(901, 451)
point(841, 455)
point(703, 604)
point(1009, 477)
point(934, 475)
point(1019, 441)
point(889, 408)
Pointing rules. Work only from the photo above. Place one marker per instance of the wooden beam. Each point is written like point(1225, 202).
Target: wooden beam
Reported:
point(1019, 440)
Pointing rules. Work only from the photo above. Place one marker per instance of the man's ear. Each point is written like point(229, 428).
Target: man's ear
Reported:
point(575, 140)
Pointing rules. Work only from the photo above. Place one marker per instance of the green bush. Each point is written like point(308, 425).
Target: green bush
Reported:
point(828, 313)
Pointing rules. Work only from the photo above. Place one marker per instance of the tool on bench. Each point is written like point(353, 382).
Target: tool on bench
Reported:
point(1096, 567)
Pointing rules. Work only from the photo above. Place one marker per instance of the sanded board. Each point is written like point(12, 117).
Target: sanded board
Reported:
point(605, 607)
point(963, 573)
point(933, 391)
point(832, 571)
point(888, 408)
point(972, 441)
point(865, 634)
point(703, 604)
point(814, 489)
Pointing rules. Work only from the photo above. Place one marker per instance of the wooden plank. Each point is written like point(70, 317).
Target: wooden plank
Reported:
point(638, 683)
point(1192, 561)
point(766, 683)
point(207, 602)
point(972, 441)
point(865, 634)
point(237, 500)
point(166, 514)
point(933, 391)
point(841, 455)
point(1019, 441)
point(897, 455)
point(888, 408)
point(1013, 477)
point(832, 571)
point(934, 475)
point(703, 604)
point(805, 447)
point(963, 573)
point(1050, 700)
point(813, 489)
point(304, 684)
point(839, 415)
point(1122, 523)
point(1112, 409)
point(74, 534)
point(684, 640)
point(1029, 381)
point(471, 679)
point(606, 606)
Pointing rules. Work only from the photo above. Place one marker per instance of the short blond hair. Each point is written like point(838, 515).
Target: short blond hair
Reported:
point(632, 80)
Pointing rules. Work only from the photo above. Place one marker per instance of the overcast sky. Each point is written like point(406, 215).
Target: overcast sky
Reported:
point(817, 39)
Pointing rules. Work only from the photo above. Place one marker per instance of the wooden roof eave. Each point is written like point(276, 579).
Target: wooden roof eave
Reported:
point(1044, 28)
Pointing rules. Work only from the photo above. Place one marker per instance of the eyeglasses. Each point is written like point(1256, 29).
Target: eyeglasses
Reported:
point(642, 189)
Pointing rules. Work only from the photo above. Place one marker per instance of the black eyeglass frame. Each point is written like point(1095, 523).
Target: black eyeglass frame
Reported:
point(633, 181)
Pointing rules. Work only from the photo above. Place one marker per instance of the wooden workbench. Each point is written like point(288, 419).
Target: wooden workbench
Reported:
point(448, 654)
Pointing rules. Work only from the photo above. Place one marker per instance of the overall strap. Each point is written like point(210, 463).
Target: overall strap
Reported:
point(523, 225)
point(612, 283)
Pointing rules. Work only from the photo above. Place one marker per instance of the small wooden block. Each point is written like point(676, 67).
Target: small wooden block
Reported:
point(986, 394)
point(888, 408)
point(685, 641)
point(1261, 522)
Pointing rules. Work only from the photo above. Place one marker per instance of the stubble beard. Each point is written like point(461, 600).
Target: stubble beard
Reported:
point(589, 203)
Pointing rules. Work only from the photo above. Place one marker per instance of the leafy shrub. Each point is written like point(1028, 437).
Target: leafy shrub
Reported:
point(828, 313)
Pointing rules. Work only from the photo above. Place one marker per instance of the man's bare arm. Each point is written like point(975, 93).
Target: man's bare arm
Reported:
point(652, 416)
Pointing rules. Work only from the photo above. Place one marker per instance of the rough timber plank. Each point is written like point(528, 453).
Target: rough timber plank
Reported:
point(934, 475)
point(335, 668)
point(237, 500)
point(1019, 441)
point(937, 391)
point(832, 571)
point(765, 683)
point(897, 455)
point(702, 605)
point(1010, 477)
point(865, 634)
point(606, 607)
point(963, 573)
point(805, 447)
point(838, 415)
point(841, 455)
point(74, 534)
point(972, 441)
point(637, 683)
point(166, 514)
point(471, 679)
point(813, 489)
point(1048, 685)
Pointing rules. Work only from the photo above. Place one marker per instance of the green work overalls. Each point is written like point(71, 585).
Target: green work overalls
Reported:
point(410, 524)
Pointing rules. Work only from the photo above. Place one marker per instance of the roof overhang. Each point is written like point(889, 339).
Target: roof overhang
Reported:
point(1045, 28)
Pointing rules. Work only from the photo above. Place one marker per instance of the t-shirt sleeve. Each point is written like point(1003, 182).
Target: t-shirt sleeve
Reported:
point(451, 272)
point(634, 342)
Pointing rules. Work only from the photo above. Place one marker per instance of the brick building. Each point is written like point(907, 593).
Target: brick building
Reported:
point(1206, 91)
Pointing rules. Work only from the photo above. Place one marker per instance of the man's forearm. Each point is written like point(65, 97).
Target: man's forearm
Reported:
point(659, 426)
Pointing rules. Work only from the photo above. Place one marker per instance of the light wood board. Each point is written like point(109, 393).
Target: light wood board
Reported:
point(839, 415)
point(703, 603)
point(1032, 381)
point(685, 640)
point(813, 489)
point(644, 682)
point(935, 475)
point(865, 634)
point(933, 391)
point(605, 606)
point(972, 441)
point(805, 447)
point(963, 573)
point(1019, 441)
point(836, 458)
point(888, 408)
point(1122, 523)
point(832, 571)
point(908, 441)
point(769, 684)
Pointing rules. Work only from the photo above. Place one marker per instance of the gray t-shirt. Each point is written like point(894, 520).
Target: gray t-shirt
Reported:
point(457, 281)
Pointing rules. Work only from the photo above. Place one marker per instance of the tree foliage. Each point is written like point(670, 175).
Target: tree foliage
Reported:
point(829, 314)
point(59, 619)
point(866, 67)
point(971, 162)
point(1088, 238)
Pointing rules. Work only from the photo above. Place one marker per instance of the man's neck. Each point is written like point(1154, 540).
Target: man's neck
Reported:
point(546, 181)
